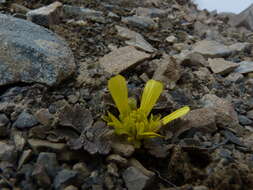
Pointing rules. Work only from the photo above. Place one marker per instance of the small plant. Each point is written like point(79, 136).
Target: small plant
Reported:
point(135, 123)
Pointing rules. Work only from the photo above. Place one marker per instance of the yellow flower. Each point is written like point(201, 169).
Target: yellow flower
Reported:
point(135, 123)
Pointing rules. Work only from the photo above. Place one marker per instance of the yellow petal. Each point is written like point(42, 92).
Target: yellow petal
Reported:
point(150, 95)
point(176, 114)
point(150, 135)
point(118, 89)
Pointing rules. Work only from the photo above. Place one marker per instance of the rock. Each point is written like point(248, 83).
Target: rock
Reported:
point(25, 121)
point(194, 59)
point(64, 178)
point(44, 117)
point(4, 121)
point(117, 159)
point(221, 66)
point(122, 59)
point(141, 22)
point(171, 39)
point(135, 180)
point(245, 67)
point(41, 177)
point(234, 77)
point(19, 8)
point(202, 119)
point(46, 16)
point(151, 12)
point(134, 39)
point(42, 145)
point(83, 13)
point(226, 114)
point(244, 19)
point(210, 48)
point(7, 152)
point(168, 71)
point(49, 161)
point(29, 53)
point(243, 120)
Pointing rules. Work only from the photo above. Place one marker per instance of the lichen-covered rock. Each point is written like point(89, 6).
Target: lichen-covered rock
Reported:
point(32, 54)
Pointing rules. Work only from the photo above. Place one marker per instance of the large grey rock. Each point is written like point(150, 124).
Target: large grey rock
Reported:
point(32, 54)
point(244, 19)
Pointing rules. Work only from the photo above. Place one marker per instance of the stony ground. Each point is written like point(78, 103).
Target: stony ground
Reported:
point(52, 134)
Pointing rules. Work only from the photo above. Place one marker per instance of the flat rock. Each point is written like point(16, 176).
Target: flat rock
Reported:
point(32, 54)
point(47, 15)
point(221, 66)
point(209, 48)
point(245, 67)
point(226, 114)
point(122, 59)
point(151, 12)
point(135, 179)
point(134, 39)
point(141, 22)
point(244, 19)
